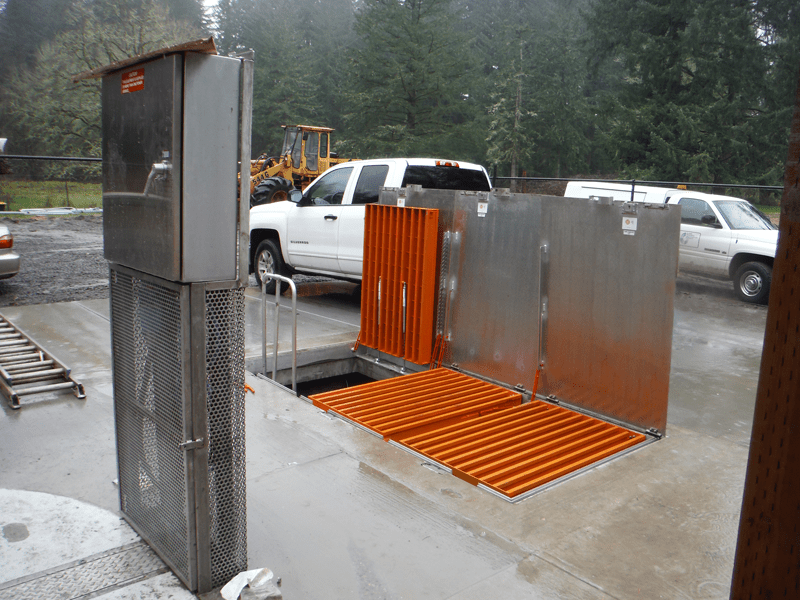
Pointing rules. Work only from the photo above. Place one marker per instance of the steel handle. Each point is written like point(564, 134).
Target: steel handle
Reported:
point(331, 217)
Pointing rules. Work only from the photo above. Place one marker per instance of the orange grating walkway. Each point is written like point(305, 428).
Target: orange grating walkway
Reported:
point(415, 403)
point(481, 431)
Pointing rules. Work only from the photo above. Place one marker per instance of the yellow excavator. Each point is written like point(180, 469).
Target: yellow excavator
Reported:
point(305, 154)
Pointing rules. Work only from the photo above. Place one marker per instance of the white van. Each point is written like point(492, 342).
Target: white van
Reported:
point(721, 236)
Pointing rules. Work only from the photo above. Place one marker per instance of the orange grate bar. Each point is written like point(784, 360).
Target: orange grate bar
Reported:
point(480, 430)
point(412, 404)
point(399, 264)
point(518, 449)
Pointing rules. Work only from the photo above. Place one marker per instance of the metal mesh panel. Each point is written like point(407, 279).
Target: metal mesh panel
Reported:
point(226, 468)
point(148, 401)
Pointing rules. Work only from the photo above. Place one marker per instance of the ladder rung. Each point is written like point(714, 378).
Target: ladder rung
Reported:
point(18, 342)
point(11, 358)
point(17, 348)
point(45, 388)
point(21, 366)
point(20, 378)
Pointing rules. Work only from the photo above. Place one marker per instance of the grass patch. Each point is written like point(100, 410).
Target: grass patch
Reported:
point(768, 210)
point(50, 194)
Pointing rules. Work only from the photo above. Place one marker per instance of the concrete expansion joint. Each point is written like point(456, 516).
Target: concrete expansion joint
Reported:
point(570, 573)
point(88, 577)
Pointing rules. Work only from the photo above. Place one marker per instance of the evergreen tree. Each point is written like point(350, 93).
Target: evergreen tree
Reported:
point(408, 78)
point(691, 105)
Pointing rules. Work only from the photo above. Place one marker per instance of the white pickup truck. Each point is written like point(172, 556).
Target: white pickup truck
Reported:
point(321, 231)
point(721, 236)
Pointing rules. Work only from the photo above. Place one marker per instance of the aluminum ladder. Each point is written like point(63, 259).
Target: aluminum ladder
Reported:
point(26, 368)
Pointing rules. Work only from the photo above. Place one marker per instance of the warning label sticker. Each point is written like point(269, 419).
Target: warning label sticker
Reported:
point(133, 81)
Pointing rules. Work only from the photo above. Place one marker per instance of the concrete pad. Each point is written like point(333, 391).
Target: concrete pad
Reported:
point(163, 587)
point(54, 530)
point(42, 534)
point(626, 526)
point(339, 513)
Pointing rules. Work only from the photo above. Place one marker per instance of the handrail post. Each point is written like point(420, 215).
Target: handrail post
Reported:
point(293, 287)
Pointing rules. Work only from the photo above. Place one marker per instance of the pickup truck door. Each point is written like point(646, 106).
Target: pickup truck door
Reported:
point(313, 223)
point(704, 245)
point(370, 179)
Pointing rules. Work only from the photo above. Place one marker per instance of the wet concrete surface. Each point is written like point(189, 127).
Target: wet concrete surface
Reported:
point(338, 513)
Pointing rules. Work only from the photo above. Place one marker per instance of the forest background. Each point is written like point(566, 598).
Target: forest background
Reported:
point(669, 90)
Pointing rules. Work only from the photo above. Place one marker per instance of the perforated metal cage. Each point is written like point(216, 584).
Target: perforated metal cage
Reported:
point(226, 458)
point(178, 358)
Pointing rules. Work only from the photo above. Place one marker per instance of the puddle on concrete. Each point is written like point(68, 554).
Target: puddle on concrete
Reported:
point(15, 532)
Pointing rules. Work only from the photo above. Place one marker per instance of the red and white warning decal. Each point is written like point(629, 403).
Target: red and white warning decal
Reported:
point(133, 81)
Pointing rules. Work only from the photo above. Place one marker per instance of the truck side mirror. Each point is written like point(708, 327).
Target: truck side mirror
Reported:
point(295, 196)
point(711, 220)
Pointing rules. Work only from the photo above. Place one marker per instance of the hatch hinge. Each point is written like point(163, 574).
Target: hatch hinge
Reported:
point(655, 432)
point(552, 398)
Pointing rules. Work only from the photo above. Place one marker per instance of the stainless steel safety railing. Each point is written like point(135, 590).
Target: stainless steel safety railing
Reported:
point(293, 287)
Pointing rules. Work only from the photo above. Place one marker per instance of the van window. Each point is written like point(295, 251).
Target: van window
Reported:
point(369, 184)
point(446, 178)
point(693, 211)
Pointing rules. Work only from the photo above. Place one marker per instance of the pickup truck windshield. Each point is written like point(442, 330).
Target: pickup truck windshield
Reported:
point(446, 178)
point(742, 215)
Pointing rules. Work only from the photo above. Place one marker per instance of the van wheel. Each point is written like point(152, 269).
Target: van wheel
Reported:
point(269, 260)
point(752, 282)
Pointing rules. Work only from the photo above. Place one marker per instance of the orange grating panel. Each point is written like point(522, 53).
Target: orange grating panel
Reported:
point(479, 430)
point(399, 250)
point(516, 450)
point(414, 403)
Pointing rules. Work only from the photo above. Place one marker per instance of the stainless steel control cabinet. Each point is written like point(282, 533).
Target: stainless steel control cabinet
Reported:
point(174, 131)
point(170, 153)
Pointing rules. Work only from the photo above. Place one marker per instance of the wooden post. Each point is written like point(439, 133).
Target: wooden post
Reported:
point(767, 563)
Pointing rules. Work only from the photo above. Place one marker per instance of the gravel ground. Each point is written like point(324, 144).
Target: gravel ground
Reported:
point(61, 260)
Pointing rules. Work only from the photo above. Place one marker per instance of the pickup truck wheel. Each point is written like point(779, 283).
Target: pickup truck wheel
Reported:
point(752, 282)
point(269, 260)
point(272, 189)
